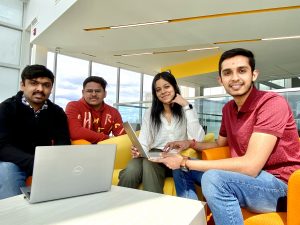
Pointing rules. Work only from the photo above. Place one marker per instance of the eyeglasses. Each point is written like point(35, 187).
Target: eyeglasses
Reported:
point(91, 91)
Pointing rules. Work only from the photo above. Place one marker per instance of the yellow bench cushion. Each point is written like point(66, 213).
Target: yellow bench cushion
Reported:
point(123, 156)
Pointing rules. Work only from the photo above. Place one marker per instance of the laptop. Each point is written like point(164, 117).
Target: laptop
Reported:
point(153, 154)
point(70, 170)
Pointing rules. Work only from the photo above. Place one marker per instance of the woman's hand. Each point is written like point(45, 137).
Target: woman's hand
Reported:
point(177, 145)
point(134, 152)
point(180, 100)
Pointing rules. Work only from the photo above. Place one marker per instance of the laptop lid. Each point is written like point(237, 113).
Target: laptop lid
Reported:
point(71, 170)
point(135, 141)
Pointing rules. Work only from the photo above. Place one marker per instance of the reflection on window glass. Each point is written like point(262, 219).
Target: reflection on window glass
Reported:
point(129, 92)
point(214, 91)
point(147, 87)
point(109, 74)
point(10, 45)
point(129, 86)
point(11, 12)
point(280, 82)
point(264, 87)
point(70, 75)
point(9, 82)
point(187, 91)
point(210, 113)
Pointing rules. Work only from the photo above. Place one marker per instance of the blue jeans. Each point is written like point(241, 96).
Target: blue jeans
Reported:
point(11, 179)
point(226, 191)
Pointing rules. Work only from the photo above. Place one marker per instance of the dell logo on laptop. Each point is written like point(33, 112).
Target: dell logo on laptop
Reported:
point(77, 170)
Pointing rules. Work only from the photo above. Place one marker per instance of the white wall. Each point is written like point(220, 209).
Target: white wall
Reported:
point(46, 12)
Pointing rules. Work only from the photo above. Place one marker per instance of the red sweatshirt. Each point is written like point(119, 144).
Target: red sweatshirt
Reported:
point(93, 125)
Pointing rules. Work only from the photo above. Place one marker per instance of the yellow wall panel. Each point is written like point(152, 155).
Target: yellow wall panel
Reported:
point(197, 67)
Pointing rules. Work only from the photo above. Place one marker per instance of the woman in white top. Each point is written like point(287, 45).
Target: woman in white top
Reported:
point(170, 118)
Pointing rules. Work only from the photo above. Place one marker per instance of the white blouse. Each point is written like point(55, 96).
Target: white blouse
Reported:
point(187, 129)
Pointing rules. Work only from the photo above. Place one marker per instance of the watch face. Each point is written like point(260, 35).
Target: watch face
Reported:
point(184, 169)
point(188, 107)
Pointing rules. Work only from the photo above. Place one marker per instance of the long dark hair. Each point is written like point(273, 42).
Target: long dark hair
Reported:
point(157, 106)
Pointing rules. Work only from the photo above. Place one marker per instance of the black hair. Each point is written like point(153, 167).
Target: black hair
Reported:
point(95, 79)
point(34, 71)
point(157, 106)
point(235, 52)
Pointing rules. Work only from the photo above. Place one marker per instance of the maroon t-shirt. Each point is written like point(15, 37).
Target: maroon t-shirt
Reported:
point(264, 112)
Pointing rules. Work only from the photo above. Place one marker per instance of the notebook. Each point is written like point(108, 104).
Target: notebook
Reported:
point(70, 170)
point(153, 154)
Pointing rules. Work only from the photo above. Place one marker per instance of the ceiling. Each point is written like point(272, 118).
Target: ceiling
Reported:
point(266, 19)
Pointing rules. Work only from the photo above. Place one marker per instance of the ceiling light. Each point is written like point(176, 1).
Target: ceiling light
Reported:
point(201, 49)
point(88, 54)
point(171, 51)
point(202, 17)
point(236, 41)
point(127, 64)
point(135, 54)
point(139, 24)
point(280, 38)
point(126, 26)
point(211, 48)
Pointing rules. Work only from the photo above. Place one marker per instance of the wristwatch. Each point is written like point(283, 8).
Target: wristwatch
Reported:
point(188, 107)
point(183, 165)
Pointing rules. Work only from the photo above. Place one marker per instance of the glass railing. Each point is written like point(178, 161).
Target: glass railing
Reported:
point(209, 109)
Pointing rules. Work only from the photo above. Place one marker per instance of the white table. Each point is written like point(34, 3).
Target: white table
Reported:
point(122, 206)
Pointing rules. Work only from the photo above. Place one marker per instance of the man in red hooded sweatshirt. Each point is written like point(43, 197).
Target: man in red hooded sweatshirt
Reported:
point(90, 118)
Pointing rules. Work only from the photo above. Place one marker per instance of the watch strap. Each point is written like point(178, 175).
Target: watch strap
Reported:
point(183, 165)
point(187, 107)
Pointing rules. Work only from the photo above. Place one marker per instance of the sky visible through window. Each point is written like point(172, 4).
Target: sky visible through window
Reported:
point(71, 72)
point(109, 74)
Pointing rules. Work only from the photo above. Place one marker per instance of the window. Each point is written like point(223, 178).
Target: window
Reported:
point(9, 82)
point(130, 91)
point(70, 75)
point(109, 74)
point(10, 40)
point(187, 91)
point(280, 82)
point(11, 12)
point(264, 87)
point(214, 91)
point(147, 87)
point(129, 86)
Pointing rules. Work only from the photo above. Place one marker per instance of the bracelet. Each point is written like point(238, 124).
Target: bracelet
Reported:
point(193, 144)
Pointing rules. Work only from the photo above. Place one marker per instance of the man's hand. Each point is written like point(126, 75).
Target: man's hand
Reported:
point(134, 152)
point(171, 161)
point(178, 145)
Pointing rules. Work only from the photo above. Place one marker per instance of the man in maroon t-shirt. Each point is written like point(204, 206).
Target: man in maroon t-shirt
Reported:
point(261, 133)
